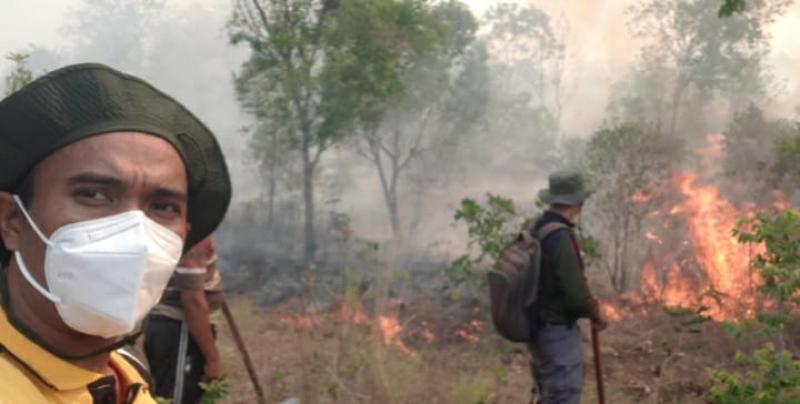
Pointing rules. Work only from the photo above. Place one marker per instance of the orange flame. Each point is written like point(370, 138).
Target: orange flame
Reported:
point(610, 312)
point(470, 332)
point(725, 263)
point(390, 330)
point(640, 197)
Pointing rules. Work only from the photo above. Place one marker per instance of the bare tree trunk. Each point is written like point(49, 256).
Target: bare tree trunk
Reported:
point(308, 199)
point(394, 214)
point(273, 183)
point(615, 281)
point(388, 179)
point(676, 105)
point(625, 258)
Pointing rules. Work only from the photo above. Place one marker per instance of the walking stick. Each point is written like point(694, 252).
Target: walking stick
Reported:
point(598, 367)
point(237, 337)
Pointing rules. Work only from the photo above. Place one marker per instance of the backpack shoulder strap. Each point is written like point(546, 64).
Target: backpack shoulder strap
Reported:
point(138, 365)
point(549, 229)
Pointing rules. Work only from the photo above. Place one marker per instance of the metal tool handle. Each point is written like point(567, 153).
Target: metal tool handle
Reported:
point(180, 365)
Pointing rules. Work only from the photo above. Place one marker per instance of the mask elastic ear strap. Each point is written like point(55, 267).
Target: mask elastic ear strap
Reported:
point(30, 221)
point(24, 269)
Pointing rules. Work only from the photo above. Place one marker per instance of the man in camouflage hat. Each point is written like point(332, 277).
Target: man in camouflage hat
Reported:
point(104, 182)
point(564, 296)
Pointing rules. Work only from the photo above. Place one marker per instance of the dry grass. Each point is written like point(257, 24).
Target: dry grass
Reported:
point(321, 358)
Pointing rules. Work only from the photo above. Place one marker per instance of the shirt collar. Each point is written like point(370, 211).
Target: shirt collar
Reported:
point(53, 370)
point(552, 215)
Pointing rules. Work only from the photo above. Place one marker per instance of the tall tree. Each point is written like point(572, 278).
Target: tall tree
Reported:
point(528, 60)
point(20, 75)
point(118, 32)
point(628, 165)
point(325, 64)
point(695, 56)
point(432, 109)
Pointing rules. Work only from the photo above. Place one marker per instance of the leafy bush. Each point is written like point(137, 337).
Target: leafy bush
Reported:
point(770, 374)
point(491, 227)
point(214, 391)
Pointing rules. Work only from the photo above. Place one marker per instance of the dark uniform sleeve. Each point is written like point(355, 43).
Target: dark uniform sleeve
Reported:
point(578, 300)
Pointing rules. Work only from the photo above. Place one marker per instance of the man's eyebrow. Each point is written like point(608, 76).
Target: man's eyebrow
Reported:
point(103, 179)
point(95, 178)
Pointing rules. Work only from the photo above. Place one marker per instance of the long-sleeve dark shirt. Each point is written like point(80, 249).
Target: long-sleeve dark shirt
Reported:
point(564, 295)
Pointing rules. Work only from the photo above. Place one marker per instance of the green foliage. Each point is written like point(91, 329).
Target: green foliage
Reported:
point(214, 391)
point(444, 82)
point(779, 265)
point(591, 248)
point(315, 70)
point(787, 148)
point(731, 7)
point(771, 374)
point(691, 57)
point(687, 320)
point(491, 228)
point(622, 161)
point(21, 75)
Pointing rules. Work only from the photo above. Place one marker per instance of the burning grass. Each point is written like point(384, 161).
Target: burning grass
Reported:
point(707, 266)
point(358, 357)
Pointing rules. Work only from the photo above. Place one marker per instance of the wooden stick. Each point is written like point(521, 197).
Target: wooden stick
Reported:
point(237, 337)
point(598, 367)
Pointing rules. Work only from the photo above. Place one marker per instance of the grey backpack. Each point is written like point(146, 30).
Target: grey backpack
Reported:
point(514, 284)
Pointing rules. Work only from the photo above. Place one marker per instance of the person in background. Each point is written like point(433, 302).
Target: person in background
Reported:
point(564, 296)
point(104, 181)
point(180, 338)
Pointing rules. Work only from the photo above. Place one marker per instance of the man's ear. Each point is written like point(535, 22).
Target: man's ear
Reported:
point(10, 221)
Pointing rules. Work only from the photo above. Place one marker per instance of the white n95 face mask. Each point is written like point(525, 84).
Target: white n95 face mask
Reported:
point(104, 275)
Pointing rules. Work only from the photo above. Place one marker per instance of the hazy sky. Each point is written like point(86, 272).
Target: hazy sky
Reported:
point(600, 49)
point(599, 42)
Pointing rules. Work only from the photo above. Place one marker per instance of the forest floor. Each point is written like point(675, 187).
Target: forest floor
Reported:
point(345, 355)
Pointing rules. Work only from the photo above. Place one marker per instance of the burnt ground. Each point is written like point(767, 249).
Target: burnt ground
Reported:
point(315, 334)
point(452, 356)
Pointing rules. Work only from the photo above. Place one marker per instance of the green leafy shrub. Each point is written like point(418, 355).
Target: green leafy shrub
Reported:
point(770, 374)
point(214, 391)
point(491, 227)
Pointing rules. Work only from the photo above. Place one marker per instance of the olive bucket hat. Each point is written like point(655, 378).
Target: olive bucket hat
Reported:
point(83, 100)
point(566, 188)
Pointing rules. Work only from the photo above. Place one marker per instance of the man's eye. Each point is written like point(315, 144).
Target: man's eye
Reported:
point(166, 208)
point(92, 194)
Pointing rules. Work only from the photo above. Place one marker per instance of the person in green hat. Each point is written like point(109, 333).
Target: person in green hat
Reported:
point(104, 182)
point(564, 296)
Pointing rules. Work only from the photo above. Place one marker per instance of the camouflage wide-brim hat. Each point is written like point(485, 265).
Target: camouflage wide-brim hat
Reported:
point(565, 188)
point(79, 101)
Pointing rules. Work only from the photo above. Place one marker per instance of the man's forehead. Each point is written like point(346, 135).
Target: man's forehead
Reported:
point(112, 152)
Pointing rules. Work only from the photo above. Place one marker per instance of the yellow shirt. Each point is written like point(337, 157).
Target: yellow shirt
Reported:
point(31, 375)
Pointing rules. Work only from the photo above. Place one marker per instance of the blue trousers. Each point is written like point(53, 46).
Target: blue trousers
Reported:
point(557, 364)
